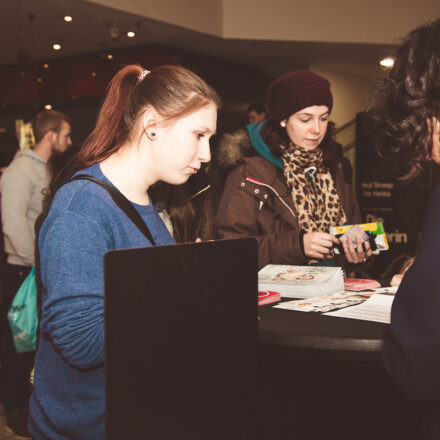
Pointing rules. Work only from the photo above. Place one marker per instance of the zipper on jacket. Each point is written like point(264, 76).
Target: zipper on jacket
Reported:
point(249, 179)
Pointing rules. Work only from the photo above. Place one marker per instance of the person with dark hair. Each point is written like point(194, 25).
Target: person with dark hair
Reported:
point(190, 207)
point(257, 112)
point(153, 126)
point(22, 188)
point(289, 188)
point(407, 114)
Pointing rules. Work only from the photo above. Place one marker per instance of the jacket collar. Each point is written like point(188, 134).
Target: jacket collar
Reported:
point(260, 146)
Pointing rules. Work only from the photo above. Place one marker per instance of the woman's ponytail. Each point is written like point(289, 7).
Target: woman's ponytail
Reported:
point(111, 128)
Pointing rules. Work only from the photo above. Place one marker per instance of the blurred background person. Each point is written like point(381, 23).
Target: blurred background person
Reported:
point(257, 112)
point(23, 186)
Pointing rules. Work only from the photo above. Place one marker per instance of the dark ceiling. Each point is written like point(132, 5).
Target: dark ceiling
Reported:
point(31, 27)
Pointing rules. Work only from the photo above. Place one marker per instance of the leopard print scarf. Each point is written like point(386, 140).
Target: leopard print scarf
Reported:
point(317, 203)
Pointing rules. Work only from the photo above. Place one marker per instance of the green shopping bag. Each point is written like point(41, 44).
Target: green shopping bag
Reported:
point(23, 315)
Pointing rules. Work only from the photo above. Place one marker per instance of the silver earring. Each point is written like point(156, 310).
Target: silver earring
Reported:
point(283, 123)
point(151, 135)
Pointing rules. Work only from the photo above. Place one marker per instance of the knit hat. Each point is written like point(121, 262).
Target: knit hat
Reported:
point(297, 90)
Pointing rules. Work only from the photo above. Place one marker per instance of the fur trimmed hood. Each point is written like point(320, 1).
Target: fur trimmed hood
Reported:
point(232, 148)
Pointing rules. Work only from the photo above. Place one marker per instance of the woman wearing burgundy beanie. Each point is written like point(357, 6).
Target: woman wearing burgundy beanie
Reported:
point(287, 186)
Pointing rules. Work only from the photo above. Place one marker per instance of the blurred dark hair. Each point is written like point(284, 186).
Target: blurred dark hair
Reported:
point(406, 101)
point(258, 107)
point(276, 138)
point(190, 206)
point(189, 220)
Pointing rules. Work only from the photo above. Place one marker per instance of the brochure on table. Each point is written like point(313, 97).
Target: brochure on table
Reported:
point(333, 301)
point(377, 308)
point(301, 281)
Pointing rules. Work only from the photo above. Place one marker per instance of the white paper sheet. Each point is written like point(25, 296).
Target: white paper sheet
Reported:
point(377, 308)
point(325, 303)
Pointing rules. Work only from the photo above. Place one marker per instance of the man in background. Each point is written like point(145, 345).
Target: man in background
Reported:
point(257, 112)
point(22, 187)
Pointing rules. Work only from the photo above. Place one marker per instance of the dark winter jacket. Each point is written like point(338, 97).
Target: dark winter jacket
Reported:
point(257, 202)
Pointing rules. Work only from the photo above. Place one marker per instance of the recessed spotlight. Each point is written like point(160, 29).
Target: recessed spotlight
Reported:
point(46, 66)
point(68, 18)
point(109, 56)
point(56, 46)
point(40, 80)
point(48, 107)
point(387, 62)
point(93, 74)
point(131, 34)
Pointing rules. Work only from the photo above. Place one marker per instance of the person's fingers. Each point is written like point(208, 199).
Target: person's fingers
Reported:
point(318, 248)
point(347, 244)
point(362, 249)
point(329, 237)
point(359, 248)
point(350, 252)
point(319, 244)
point(326, 243)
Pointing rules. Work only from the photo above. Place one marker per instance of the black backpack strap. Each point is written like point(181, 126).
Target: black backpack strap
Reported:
point(123, 203)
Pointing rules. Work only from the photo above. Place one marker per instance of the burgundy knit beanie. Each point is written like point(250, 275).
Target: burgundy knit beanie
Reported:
point(297, 90)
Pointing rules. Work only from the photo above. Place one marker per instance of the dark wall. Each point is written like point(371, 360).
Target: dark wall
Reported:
point(68, 85)
point(399, 205)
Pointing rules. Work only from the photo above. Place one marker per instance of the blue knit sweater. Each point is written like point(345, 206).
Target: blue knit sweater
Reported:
point(83, 223)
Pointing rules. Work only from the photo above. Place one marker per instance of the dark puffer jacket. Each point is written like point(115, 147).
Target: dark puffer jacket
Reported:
point(256, 202)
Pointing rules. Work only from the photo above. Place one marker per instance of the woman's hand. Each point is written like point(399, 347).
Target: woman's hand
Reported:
point(397, 279)
point(318, 244)
point(356, 254)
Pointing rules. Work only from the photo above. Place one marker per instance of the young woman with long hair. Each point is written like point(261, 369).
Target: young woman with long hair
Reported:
point(152, 126)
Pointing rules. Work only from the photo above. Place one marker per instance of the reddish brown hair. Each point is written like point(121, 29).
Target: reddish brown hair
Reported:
point(172, 91)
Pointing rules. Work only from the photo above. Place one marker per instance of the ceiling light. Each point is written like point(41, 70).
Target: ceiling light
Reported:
point(46, 66)
point(131, 34)
point(40, 80)
point(48, 107)
point(387, 62)
point(68, 18)
point(93, 74)
point(109, 56)
point(56, 46)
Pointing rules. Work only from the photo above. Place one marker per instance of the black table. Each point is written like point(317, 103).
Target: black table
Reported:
point(342, 337)
point(322, 377)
